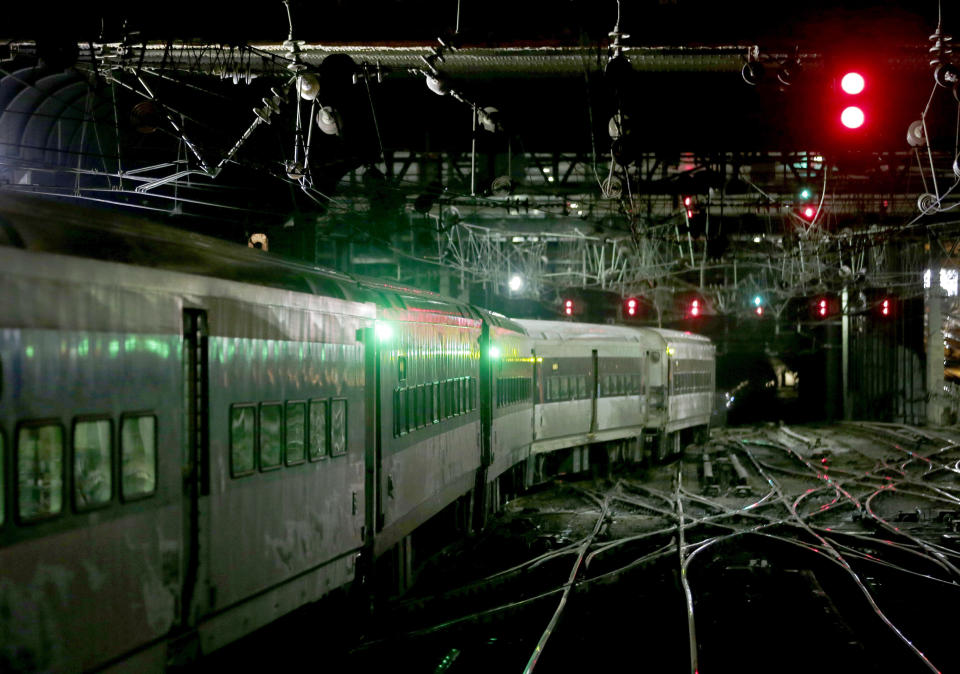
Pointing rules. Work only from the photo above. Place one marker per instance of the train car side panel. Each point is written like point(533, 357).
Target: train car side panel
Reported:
point(287, 448)
point(429, 418)
point(90, 418)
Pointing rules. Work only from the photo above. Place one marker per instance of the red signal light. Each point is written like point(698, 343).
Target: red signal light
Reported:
point(631, 307)
point(808, 212)
point(852, 83)
point(687, 201)
point(759, 311)
point(568, 307)
point(695, 308)
point(852, 117)
point(822, 308)
point(886, 308)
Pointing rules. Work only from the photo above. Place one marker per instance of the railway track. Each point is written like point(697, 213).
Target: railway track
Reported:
point(778, 549)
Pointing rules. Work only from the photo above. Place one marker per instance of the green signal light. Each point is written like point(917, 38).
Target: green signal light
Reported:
point(757, 301)
point(806, 193)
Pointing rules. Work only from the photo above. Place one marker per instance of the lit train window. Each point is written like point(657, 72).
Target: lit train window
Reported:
point(295, 447)
point(319, 442)
point(243, 437)
point(39, 471)
point(138, 456)
point(338, 427)
point(271, 439)
point(92, 474)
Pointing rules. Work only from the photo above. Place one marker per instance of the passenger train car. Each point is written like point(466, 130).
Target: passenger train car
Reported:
point(197, 438)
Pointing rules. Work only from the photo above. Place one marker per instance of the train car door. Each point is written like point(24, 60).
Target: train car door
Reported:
point(537, 393)
point(595, 371)
point(196, 467)
point(486, 426)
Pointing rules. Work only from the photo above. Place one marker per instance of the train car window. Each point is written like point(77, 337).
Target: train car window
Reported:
point(426, 399)
point(338, 427)
point(317, 430)
point(564, 389)
point(138, 456)
point(421, 394)
point(92, 467)
point(402, 368)
point(243, 426)
point(448, 397)
point(398, 412)
point(3, 500)
point(295, 447)
point(39, 470)
point(435, 388)
point(408, 424)
point(271, 436)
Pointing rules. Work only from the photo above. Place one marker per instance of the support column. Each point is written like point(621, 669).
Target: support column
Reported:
point(934, 346)
point(845, 344)
point(833, 378)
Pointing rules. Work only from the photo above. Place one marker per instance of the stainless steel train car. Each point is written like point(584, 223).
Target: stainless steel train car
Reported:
point(182, 457)
point(197, 438)
point(602, 383)
point(681, 385)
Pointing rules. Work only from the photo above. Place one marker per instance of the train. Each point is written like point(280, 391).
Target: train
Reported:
point(197, 437)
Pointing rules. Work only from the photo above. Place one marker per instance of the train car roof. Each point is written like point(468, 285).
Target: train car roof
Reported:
point(678, 336)
point(566, 330)
point(53, 226)
point(401, 303)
